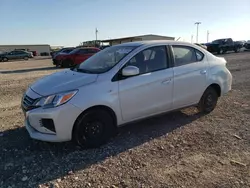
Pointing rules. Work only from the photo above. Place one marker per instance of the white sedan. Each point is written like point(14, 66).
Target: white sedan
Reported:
point(121, 84)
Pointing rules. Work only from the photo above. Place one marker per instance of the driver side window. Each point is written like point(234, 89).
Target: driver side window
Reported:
point(150, 60)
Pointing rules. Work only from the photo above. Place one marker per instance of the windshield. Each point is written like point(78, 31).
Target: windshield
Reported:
point(73, 51)
point(105, 59)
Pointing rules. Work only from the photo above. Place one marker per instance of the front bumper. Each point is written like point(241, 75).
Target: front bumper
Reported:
point(63, 117)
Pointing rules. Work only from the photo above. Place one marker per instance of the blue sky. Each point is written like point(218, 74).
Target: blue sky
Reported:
point(69, 22)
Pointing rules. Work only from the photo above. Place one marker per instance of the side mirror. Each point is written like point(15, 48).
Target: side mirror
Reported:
point(130, 71)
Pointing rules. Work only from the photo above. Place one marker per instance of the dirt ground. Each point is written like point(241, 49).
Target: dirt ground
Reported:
point(179, 149)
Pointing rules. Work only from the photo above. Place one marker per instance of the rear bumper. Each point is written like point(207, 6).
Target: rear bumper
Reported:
point(227, 84)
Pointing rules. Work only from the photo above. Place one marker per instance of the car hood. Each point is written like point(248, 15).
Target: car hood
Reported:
point(62, 81)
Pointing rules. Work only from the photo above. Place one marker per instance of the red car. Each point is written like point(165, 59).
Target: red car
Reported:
point(77, 56)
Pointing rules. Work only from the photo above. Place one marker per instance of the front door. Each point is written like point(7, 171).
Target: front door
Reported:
point(150, 92)
point(11, 55)
point(190, 75)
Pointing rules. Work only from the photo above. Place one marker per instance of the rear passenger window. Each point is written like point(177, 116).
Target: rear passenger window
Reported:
point(184, 55)
point(82, 51)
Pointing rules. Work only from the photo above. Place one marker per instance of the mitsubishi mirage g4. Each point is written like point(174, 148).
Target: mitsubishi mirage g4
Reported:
point(121, 84)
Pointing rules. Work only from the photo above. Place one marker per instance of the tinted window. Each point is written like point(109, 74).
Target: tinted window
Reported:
point(150, 60)
point(67, 51)
point(82, 51)
point(184, 55)
point(74, 51)
point(12, 53)
point(20, 52)
point(91, 51)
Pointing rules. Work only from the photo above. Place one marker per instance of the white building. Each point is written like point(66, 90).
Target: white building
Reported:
point(39, 48)
point(136, 38)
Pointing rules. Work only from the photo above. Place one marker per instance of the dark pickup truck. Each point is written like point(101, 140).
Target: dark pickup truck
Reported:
point(221, 46)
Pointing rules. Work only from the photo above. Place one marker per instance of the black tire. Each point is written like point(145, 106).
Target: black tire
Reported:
point(236, 50)
point(208, 100)
point(67, 63)
point(220, 51)
point(26, 58)
point(94, 128)
point(4, 59)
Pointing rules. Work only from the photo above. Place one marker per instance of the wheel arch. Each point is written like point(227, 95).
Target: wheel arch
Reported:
point(216, 87)
point(96, 107)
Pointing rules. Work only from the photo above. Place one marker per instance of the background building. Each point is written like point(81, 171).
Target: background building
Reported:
point(39, 48)
point(136, 38)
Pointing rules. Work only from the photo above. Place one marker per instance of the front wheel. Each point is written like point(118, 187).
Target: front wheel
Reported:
point(94, 128)
point(236, 50)
point(4, 59)
point(208, 100)
point(67, 63)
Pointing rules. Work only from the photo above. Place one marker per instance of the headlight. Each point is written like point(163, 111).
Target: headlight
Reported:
point(55, 100)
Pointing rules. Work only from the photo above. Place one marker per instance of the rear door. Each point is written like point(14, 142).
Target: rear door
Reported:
point(190, 75)
point(21, 54)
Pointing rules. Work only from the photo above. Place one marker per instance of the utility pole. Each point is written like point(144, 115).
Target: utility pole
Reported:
point(197, 34)
point(96, 32)
point(208, 36)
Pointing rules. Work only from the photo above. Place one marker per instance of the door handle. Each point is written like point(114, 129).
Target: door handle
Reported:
point(203, 72)
point(166, 81)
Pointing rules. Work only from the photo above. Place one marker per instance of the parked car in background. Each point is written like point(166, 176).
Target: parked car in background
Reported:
point(221, 46)
point(201, 45)
point(103, 47)
point(240, 43)
point(121, 84)
point(77, 56)
point(16, 54)
point(63, 50)
point(247, 45)
point(26, 50)
point(59, 56)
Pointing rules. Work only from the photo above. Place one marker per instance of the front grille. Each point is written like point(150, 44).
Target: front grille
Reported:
point(27, 103)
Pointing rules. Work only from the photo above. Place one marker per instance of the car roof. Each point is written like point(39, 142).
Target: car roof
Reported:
point(150, 42)
point(88, 48)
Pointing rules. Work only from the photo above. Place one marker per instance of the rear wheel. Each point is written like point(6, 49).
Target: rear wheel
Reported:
point(5, 59)
point(220, 51)
point(208, 100)
point(94, 128)
point(26, 58)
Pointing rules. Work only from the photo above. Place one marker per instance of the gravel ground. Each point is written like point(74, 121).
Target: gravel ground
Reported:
point(179, 149)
